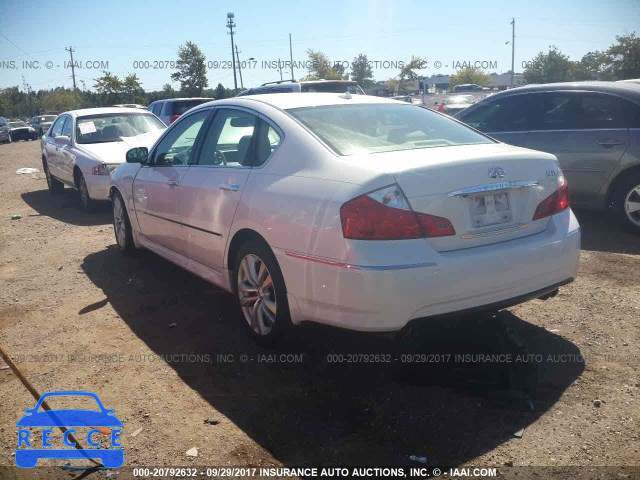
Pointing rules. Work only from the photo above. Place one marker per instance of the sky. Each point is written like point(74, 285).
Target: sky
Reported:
point(143, 37)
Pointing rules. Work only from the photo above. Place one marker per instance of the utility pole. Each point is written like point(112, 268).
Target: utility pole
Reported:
point(231, 24)
point(513, 48)
point(291, 57)
point(73, 70)
point(27, 88)
point(280, 67)
point(239, 67)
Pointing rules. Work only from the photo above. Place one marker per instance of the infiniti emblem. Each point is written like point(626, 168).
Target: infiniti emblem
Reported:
point(496, 172)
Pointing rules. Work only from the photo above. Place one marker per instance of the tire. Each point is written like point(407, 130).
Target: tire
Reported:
point(627, 194)
point(122, 225)
point(267, 317)
point(56, 187)
point(87, 204)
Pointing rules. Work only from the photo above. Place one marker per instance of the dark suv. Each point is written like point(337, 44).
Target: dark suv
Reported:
point(169, 110)
point(289, 86)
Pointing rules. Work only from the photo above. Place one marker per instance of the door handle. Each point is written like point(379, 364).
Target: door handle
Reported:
point(230, 186)
point(610, 143)
point(172, 183)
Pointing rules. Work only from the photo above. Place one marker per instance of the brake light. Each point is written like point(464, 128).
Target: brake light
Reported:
point(385, 215)
point(554, 203)
point(173, 118)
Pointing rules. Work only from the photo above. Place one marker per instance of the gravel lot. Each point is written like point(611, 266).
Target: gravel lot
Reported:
point(77, 315)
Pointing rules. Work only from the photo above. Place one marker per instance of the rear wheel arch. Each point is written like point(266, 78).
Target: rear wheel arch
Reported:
point(241, 237)
point(623, 176)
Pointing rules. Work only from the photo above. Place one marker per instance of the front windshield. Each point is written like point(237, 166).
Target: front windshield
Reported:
point(113, 126)
point(372, 128)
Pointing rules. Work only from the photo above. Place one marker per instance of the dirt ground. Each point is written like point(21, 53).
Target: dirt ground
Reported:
point(168, 351)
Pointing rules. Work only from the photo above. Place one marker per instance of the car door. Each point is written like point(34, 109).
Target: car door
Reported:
point(65, 155)
point(157, 189)
point(505, 118)
point(587, 132)
point(215, 183)
point(52, 149)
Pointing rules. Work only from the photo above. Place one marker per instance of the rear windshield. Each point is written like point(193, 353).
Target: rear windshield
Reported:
point(179, 108)
point(373, 128)
point(332, 87)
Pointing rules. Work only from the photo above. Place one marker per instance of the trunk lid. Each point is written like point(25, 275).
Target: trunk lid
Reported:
point(489, 192)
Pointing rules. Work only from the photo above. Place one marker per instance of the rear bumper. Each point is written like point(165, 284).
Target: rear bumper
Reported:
point(436, 283)
point(98, 186)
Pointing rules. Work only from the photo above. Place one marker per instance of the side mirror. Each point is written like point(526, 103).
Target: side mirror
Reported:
point(138, 155)
point(62, 140)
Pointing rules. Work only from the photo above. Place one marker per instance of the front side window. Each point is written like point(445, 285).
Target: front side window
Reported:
point(372, 128)
point(56, 130)
point(229, 140)
point(514, 113)
point(176, 148)
point(67, 129)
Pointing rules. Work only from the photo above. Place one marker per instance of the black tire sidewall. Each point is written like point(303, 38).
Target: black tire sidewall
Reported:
point(89, 206)
point(55, 186)
point(283, 318)
point(619, 201)
point(129, 246)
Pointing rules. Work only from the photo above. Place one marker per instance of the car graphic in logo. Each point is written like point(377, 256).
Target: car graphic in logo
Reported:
point(49, 420)
point(496, 172)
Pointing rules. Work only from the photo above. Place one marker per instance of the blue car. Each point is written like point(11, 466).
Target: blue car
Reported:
point(69, 418)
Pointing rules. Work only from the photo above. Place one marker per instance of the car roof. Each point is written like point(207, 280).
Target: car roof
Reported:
point(300, 99)
point(102, 111)
point(628, 89)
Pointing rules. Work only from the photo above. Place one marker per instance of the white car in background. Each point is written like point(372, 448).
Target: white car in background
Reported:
point(349, 210)
point(83, 147)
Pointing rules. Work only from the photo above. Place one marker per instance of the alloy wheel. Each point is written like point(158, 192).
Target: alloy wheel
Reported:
point(632, 205)
point(257, 294)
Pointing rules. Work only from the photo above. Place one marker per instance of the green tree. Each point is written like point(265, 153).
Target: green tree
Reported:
point(408, 71)
point(361, 71)
point(192, 70)
point(320, 67)
point(549, 67)
point(470, 75)
point(132, 89)
point(110, 88)
point(60, 100)
point(624, 57)
point(220, 92)
point(597, 64)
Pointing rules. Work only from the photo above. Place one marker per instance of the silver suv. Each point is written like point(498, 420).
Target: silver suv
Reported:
point(592, 127)
point(289, 86)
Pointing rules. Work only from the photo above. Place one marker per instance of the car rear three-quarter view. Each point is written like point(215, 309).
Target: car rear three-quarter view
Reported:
point(348, 210)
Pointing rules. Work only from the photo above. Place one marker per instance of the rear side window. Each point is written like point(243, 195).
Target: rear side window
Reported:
point(580, 111)
point(632, 113)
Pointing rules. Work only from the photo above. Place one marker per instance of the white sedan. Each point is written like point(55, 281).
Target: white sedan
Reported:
point(83, 147)
point(353, 211)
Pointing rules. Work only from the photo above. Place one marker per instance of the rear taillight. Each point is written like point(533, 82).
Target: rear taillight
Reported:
point(173, 118)
point(385, 215)
point(554, 203)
